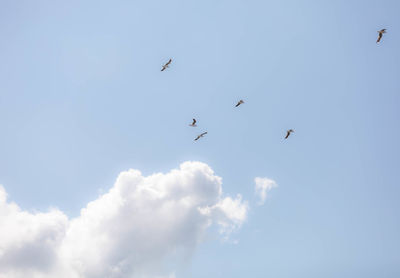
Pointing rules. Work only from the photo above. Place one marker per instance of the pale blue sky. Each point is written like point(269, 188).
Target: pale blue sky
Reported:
point(82, 98)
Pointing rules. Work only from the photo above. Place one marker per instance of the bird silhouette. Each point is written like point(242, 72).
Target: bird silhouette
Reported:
point(199, 136)
point(288, 133)
point(194, 123)
point(239, 103)
point(166, 65)
point(380, 34)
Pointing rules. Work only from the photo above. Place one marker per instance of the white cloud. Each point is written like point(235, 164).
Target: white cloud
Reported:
point(128, 232)
point(262, 187)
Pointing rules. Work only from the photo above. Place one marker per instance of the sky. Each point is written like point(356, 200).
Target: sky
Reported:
point(100, 173)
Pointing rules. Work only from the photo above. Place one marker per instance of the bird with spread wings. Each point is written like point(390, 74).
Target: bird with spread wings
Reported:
point(380, 34)
point(194, 123)
point(239, 103)
point(166, 65)
point(199, 136)
point(288, 133)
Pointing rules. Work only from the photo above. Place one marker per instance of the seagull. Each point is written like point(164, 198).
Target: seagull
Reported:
point(199, 136)
point(240, 102)
point(166, 65)
point(194, 123)
point(380, 34)
point(288, 133)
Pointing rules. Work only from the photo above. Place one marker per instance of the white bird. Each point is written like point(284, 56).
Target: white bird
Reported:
point(199, 136)
point(194, 123)
point(166, 65)
point(240, 102)
point(288, 133)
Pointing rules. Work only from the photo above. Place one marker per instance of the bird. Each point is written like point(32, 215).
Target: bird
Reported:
point(239, 102)
point(288, 133)
point(199, 136)
point(166, 65)
point(194, 123)
point(380, 34)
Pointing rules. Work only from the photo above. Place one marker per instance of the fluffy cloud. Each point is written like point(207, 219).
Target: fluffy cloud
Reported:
point(28, 242)
point(128, 232)
point(262, 187)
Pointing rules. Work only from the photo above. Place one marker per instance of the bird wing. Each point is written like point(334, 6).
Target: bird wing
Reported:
point(287, 134)
point(194, 121)
point(379, 37)
point(237, 104)
point(204, 133)
point(197, 138)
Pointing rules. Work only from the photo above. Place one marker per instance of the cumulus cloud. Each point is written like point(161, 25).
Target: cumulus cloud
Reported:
point(262, 187)
point(28, 242)
point(128, 232)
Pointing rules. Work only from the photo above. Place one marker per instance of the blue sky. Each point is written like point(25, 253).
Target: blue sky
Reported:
point(82, 98)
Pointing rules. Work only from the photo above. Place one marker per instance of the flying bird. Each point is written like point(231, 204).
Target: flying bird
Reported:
point(194, 123)
point(288, 133)
point(166, 65)
point(380, 34)
point(199, 136)
point(240, 102)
